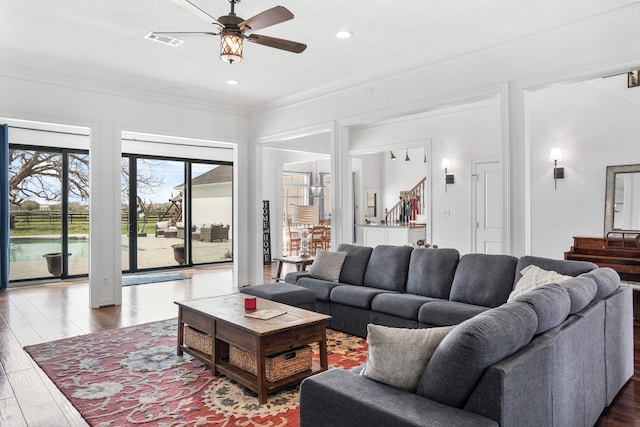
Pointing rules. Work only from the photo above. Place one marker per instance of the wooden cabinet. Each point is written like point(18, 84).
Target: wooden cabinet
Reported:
point(621, 254)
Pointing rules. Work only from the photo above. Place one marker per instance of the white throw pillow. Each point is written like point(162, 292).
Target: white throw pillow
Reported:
point(532, 277)
point(327, 265)
point(398, 356)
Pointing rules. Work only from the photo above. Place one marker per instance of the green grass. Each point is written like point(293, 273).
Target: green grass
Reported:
point(39, 224)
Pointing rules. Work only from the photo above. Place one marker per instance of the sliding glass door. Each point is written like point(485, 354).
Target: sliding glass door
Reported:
point(211, 212)
point(176, 212)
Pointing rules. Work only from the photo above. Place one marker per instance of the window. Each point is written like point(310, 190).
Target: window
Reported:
point(295, 191)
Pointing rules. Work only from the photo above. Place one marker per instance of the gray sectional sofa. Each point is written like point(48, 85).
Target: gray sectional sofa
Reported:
point(555, 356)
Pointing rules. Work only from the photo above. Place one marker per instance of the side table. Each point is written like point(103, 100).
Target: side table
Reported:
point(300, 262)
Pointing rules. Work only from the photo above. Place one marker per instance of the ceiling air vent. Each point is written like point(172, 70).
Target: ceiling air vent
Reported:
point(164, 39)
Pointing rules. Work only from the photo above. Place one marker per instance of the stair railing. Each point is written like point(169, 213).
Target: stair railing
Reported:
point(410, 204)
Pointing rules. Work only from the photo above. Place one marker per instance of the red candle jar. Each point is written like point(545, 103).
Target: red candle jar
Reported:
point(250, 303)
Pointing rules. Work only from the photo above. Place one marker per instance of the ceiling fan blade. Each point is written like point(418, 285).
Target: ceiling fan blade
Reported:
point(195, 10)
point(283, 44)
point(269, 17)
point(183, 33)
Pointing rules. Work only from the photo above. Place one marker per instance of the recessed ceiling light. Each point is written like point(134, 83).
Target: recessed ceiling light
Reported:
point(344, 34)
point(232, 82)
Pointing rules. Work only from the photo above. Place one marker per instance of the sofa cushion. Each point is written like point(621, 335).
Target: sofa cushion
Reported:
point(551, 303)
point(483, 279)
point(322, 288)
point(566, 267)
point(532, 277)
point(285, 293)
point(401, 305)
point(327, 265)
point(444, 313)
point(398, 356)
point(463, 355)
point(606, 279)
point(355, 263)
point(355, 296)
point(581, 291)
point(388, 267)
point(431, 272)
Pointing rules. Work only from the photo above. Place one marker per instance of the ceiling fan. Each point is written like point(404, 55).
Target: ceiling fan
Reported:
point(233, 29)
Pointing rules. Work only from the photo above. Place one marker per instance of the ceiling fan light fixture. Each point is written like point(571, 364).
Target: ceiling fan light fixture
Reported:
point(231, 47)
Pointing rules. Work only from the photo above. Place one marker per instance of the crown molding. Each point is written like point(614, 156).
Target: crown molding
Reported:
point(90, 86)
point(365, 83)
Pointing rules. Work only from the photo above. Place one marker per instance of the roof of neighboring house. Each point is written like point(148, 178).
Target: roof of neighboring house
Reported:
point(215, 176)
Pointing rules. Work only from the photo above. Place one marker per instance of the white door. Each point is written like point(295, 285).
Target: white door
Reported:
point(487, 194)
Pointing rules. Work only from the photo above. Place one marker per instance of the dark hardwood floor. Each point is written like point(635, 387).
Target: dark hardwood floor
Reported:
point(35, 314)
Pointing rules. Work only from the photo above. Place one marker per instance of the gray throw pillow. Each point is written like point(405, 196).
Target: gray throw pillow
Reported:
point(327, 265)
point(398, 356)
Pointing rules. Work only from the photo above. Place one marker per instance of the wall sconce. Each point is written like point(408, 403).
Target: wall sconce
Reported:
point(393, 156)
point(406, 156)
point(448, 177)
point(558, 173)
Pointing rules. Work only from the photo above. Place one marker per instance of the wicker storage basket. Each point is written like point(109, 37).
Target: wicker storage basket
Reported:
point(197, 340)
point(278, 366)
point(200, 341)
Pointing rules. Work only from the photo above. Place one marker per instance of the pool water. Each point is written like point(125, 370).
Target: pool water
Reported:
point(24, 249)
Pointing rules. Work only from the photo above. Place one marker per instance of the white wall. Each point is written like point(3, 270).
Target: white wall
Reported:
point(460, 135)
point(107, 114)
point(594, 129)
point(577, 51)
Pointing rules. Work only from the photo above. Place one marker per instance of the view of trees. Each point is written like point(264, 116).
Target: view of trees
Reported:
point(37, 175)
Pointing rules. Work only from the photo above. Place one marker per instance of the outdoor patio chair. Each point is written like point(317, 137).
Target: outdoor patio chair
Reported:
point(211, 232)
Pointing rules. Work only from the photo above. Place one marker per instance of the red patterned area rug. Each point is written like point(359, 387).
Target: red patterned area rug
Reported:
point(132, 376)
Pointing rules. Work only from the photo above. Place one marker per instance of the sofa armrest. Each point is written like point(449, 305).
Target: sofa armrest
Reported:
point(517, 391)
point(618, 340)
point(295, 275)
point(343, 398)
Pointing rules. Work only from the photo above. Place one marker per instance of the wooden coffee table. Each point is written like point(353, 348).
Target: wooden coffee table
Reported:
point(224, 318)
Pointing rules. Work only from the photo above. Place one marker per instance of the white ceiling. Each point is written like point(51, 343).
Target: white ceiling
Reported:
point(100, 43)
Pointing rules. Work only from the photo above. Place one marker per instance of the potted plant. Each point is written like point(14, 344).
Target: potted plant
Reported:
point(178, 253)
point(54, 263)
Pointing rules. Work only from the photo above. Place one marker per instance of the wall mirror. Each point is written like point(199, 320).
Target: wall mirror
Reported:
point(622, 198)
point(373, 204)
